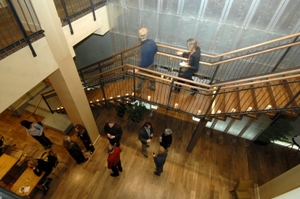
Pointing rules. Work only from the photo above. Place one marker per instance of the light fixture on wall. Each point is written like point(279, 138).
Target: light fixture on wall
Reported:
point(268, 107)
point(249, 108)
point(176, 106)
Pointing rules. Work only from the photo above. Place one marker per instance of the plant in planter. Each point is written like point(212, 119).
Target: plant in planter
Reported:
point(121, 109)
point(278, 130)
point(136, 112)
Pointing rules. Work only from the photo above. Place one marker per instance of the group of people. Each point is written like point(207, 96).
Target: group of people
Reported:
point(114, 131)
point(146, 135)
point(147, 55)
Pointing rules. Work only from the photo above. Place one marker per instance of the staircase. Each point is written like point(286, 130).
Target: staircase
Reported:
point(58, 122)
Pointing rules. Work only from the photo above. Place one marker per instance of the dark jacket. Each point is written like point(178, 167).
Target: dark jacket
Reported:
point(116, 130)
point(166, 140)
point(160, 159)
point(147, 53)
point(143, 135)
point(43, 166)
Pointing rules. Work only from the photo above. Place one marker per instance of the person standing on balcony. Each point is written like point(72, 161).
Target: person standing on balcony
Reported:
point(85, 138)
point(147, 54)
point(37, 132)
point(145, 136)
point(113, 132)
point(193, 55)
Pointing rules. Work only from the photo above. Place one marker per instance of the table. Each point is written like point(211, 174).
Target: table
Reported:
point(6, 163)
point(27, 179)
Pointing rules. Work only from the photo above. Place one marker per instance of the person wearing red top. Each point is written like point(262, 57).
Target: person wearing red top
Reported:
point(113, 160)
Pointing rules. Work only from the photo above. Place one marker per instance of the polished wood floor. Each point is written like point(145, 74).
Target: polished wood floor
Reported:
point(209, 172)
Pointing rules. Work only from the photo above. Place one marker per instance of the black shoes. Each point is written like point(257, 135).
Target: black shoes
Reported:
point(114, 175)
point(120, 169)
point(48, 146)
point(145, 155)
point(155, 173)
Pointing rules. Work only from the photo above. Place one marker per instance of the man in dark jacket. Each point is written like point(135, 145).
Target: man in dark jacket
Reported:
point(145, 136)
point(160, 160)
point(147, 54)
point(113, 132)
point(166, 138)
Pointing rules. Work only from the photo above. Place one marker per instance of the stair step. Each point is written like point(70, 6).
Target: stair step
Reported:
point(58, 122)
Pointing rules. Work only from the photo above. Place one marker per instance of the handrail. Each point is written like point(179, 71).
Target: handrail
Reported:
point(238, 50)
point(35, 108)
point(110, 57)
point(225, 85)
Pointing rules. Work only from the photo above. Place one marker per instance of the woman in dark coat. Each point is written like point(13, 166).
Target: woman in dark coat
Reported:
point(85, 138)
point(193, 55)
point(74, 150)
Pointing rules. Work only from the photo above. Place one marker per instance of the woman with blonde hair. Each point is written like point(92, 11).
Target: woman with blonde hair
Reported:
point(85, 138)
point(74, 150)
point(39, 166)
point(193, 54)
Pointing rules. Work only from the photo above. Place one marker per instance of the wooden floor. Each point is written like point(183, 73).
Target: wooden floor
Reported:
point(209, 172)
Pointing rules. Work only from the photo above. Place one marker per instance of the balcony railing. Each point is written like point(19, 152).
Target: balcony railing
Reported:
point(269, 94)
point(20, 25)
point(274, 56)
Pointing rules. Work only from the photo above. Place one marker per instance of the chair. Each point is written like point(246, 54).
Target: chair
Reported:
point(241, 189)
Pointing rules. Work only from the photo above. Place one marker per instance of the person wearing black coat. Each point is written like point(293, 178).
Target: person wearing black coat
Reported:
point(39, 166)
point(192, 67)
point(145, 136)
point(74, 150)
point(166, 138)
point(114, 132)
point(160, 160)
point(85, 138)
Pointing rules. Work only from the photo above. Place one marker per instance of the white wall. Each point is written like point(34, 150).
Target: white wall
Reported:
point(21, 71)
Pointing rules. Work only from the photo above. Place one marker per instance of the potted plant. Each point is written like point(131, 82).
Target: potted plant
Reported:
point(278, 130)
point(136, 112)
point(121, 109)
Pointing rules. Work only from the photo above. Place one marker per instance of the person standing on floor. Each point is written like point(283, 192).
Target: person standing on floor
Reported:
point(145, 136)
point(113, 160)
point(74, 150)
point(193, 55)
point(37, 132)
point(147, 54)
point(160, 160)
point(114, 132)
point(85, 138)
point(166, 138)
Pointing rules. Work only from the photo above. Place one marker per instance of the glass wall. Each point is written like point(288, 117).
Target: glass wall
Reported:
point(219, 25)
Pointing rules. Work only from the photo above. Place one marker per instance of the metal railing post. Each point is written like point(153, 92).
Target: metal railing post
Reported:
point(93, 10)
point(67, 16)
point(22, 29)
